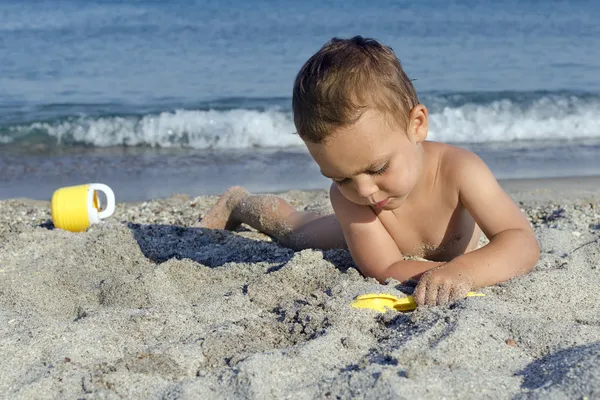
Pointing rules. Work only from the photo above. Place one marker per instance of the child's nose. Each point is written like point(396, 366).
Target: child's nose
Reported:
point(366, 188)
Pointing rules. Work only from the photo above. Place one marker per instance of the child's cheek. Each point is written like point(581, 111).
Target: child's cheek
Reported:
point(400, 183)
point(349, 192)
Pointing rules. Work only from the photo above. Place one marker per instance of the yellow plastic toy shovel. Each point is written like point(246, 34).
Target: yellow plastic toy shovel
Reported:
point(382, 302)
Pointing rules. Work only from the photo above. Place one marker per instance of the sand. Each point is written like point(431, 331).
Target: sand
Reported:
point(147, 306)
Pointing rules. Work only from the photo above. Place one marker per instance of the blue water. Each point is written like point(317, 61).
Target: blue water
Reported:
point(156, 98)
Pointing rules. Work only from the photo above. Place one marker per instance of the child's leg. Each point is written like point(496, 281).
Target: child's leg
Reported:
point(275, 217)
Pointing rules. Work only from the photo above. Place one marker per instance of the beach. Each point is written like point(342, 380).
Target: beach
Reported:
point(159, 98)
point(145, 305)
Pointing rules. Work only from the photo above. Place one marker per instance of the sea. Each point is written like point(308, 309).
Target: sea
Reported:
point(156, 98)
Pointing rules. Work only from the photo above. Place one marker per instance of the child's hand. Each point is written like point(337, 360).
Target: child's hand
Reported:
point(442, 285)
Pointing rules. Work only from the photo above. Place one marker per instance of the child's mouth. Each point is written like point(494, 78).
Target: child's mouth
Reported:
point(382, 203)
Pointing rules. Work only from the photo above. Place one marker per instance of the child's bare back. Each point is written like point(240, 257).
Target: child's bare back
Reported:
point(394, 193)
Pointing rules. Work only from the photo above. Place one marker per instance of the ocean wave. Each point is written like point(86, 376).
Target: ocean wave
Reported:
point(547, 117)
point(5, 139)
point(232, 129)
point(453, 119)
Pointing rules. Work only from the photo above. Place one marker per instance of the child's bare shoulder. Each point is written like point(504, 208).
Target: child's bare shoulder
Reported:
point(460, 166)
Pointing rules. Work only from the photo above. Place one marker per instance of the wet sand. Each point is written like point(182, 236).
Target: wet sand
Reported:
point(147, 306)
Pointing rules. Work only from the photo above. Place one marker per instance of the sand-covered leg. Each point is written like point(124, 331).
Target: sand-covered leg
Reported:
point(295, 229)
point(275, 217)
point(267, 213)
point(220, 217)
point(314, 231)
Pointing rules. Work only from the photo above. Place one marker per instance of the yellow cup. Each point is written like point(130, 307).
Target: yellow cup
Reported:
point(75, 208)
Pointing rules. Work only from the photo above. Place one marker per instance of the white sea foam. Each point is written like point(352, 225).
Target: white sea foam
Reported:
point(196, 129)
point(547, 118)
point(5, 139)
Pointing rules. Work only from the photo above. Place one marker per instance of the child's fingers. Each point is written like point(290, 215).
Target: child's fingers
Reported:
point(427, 290)
point(431, 294)
point(419, 293)
point(443, 294)
point(458, 292)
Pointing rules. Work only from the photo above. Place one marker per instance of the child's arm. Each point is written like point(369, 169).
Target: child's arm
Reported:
point(372, 248)
point(513, 249)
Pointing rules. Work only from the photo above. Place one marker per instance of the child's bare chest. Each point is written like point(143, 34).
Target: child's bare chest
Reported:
point(437, 232)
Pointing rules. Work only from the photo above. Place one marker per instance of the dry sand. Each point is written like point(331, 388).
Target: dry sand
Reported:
point(145, 306)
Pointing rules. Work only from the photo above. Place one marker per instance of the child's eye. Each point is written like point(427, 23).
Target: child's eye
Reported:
point(342, 182)
point(380, 171)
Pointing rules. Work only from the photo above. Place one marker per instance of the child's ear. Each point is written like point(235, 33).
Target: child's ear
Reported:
point(418, 123)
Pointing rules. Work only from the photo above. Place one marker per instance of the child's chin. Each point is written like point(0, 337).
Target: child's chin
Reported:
point(395, 202)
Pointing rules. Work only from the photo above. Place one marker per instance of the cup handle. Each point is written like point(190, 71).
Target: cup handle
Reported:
point(110, 199)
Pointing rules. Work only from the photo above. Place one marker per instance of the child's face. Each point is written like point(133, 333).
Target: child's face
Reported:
point(372, 162)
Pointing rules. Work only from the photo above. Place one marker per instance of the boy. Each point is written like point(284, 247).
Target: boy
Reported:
point(394, 194)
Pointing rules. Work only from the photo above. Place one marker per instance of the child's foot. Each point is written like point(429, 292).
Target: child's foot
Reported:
point(221, 216)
